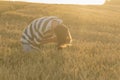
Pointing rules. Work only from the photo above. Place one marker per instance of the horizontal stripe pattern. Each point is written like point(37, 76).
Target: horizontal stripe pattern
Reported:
point(37, 29)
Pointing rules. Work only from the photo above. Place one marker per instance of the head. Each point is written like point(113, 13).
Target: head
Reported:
point(63, 35)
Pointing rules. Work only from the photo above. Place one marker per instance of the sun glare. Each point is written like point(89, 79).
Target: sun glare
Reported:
point(82, 2)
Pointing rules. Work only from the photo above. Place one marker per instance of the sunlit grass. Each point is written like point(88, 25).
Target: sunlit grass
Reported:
point(93, 56)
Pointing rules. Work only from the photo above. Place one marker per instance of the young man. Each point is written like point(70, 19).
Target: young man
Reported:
point(45, 30)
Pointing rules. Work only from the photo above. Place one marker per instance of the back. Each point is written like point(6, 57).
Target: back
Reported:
point(35, 32)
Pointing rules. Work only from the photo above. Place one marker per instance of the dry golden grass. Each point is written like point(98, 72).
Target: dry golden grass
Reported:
point(95, 54)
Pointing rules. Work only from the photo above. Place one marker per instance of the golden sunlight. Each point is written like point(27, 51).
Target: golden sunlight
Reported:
point(82, 2)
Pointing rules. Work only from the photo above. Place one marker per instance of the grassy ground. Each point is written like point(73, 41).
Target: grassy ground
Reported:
point(95, 54)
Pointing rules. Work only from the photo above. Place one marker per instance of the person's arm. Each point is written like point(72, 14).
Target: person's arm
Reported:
point(49, 40)
point(69, 37)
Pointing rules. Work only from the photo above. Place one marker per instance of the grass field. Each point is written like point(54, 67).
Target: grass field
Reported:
point(95, 54)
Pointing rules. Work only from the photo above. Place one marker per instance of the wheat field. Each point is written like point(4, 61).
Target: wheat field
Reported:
point(95, 54)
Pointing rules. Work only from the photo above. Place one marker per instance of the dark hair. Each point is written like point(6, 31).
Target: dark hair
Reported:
point(61, 32)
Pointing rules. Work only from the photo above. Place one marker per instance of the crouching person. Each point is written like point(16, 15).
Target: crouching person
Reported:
point(45, 30)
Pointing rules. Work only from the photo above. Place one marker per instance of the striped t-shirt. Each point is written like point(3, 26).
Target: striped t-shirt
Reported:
point(39, 29)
